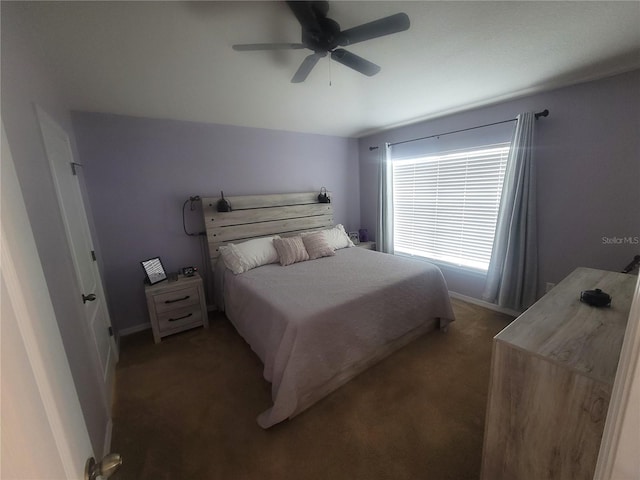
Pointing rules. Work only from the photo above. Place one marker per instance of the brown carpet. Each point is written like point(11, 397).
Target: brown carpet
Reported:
point(186, 409)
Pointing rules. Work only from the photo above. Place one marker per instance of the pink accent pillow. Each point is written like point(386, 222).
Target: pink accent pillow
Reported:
point(290, 250)
point(317, 245)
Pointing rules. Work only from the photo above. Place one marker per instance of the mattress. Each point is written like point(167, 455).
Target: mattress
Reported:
point(318, 323)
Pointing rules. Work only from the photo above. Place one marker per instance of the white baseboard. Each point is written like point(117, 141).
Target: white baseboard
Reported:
point(137, 328)
point(482, 303)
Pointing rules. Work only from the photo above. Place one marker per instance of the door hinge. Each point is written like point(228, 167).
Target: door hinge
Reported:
point(110, 331)
point(73, 167)
point(93, 255)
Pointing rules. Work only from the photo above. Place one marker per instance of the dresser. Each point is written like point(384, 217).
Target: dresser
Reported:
point(176, 305)
point(552, 373)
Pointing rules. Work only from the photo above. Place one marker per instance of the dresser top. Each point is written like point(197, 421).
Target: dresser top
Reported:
point(562, 329)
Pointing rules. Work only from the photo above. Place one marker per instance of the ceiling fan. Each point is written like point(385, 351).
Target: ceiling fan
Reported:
point(323, 36)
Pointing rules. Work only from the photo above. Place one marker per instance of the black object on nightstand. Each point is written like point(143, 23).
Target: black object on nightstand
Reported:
point(189, 271)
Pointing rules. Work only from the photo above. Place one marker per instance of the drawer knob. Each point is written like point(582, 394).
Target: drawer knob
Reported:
point(177, 299)
point(180, 318)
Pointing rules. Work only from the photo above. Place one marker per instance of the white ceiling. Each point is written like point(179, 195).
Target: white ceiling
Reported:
point(174, 59)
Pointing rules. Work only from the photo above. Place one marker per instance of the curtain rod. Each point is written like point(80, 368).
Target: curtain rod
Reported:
point(544, 113)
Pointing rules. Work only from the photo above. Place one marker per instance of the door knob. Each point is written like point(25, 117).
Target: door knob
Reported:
point(105, 468)
point(88, 298)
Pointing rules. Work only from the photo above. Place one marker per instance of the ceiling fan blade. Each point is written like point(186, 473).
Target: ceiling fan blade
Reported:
point(305, 68)
point(251, 47)
point(307, 13)
point(352, 60)
point(378, 28)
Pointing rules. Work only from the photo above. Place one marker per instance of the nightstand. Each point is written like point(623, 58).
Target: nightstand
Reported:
point(367, 245)
point(175, 306)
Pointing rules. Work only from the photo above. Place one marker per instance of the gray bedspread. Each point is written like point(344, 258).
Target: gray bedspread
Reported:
point(316, 324)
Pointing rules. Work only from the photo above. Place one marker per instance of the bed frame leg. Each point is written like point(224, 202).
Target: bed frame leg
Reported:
point(443, 325)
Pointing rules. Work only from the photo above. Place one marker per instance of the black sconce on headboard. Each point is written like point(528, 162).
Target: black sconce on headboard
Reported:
point(323, 197)
point(223, 205)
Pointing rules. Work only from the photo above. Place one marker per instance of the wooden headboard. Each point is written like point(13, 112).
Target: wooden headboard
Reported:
point(255, 216)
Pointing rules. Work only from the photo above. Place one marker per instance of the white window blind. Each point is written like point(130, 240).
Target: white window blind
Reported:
point(445, 206)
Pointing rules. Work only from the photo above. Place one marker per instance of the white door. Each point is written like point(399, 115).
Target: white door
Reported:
point(64, 171)
point(43, 432)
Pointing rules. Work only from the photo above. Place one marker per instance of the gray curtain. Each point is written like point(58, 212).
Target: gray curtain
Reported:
point(384, 228)
point(513, 270)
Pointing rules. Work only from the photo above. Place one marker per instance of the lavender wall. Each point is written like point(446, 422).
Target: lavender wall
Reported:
point(25, 82)
point(140, 171)
point(588, 167)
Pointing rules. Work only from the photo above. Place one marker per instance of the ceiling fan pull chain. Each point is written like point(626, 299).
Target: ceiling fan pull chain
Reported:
point(329, 71)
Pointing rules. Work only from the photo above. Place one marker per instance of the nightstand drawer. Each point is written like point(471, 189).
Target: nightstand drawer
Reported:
point(179, 318)
point(175, 299)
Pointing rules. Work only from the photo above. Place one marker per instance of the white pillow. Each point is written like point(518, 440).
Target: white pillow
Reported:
point(337, 238)
point(240, 257)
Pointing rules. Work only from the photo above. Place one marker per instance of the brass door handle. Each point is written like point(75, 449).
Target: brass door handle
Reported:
point(103, 469)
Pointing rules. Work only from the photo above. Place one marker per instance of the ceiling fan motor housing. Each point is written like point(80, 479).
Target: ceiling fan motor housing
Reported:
point(324, 40)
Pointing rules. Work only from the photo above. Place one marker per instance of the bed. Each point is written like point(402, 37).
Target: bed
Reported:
point(316, 324)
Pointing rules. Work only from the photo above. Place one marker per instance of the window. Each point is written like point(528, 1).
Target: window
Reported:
point(445, 206)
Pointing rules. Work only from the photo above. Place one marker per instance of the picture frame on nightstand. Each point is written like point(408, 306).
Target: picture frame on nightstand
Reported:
point(154, 270)
point(355, 237)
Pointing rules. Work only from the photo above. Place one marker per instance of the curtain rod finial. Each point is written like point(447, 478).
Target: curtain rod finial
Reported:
point(544, 113)
point(373, 148)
